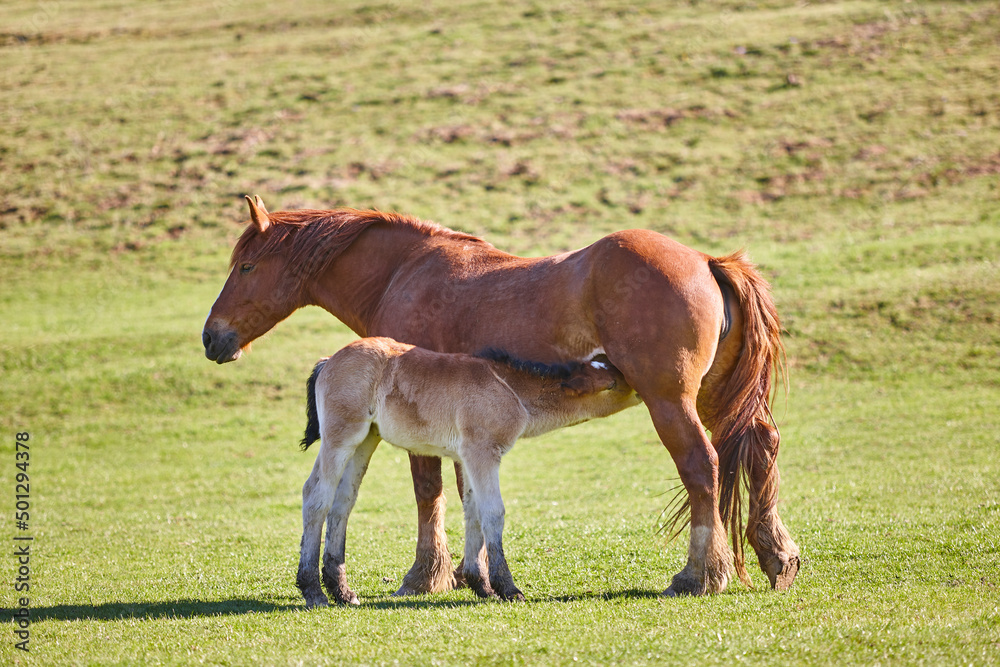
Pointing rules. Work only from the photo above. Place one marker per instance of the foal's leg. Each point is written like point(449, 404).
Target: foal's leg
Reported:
point(473, 570)
point(336, 450)
point(317, 494)
point(460, 570)
point(483, 478)
point(432, 568)
point(708, 568)
point(334, 567)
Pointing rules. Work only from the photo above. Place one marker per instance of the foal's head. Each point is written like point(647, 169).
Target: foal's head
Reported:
point(586, 379)
point(578, 390)
point(596, 389)
point(260, 290)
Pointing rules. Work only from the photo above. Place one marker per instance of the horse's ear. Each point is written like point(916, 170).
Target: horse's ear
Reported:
point(258, 213)
point(260, 204)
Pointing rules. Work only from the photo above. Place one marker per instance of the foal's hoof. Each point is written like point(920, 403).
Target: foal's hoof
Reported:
point(345, 598)
point(317, 605)
point(313, 602)
point(480, 586)
point(781, 570)
point(512, 596)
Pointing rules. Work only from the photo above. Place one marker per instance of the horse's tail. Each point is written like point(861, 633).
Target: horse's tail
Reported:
point(312, 414)
point(743, 430)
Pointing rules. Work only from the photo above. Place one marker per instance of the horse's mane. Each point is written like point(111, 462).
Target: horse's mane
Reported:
point(534, 368)
point(312, 238)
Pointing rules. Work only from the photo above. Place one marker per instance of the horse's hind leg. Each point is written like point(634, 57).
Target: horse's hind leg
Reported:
point(317, 493)
point(483, 478)
point(777, 553)
point(334, 565)
point(708, 568)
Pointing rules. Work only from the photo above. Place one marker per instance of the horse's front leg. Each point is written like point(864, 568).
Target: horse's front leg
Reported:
point(334, 562)
point(473, 571)
point(709, 564)
point(460, 570)
point(482, 477)
point(432, 569)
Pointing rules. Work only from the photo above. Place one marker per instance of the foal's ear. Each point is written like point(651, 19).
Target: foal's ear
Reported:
point(258, 213)
point(585, 383)
point(579, 385)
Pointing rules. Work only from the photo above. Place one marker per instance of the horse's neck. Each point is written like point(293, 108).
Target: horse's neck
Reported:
point(355, 283)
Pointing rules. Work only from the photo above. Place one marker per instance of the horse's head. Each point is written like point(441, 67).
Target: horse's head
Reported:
point(259, 293)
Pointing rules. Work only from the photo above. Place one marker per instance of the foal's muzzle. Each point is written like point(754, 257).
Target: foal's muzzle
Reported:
point(221, 347)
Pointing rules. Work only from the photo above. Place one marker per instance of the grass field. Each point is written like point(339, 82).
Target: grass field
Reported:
point(853, 148)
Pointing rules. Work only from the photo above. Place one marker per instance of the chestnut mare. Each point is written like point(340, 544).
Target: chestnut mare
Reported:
point(696, 336)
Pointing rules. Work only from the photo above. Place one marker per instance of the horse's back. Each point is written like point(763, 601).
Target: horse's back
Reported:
point(647, 301)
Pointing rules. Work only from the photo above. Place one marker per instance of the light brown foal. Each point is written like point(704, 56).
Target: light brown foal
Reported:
point(470, 409)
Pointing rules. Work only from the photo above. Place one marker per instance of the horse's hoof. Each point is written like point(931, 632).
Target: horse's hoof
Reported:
point(404, 591)
point(685, 584)
point(781, 571)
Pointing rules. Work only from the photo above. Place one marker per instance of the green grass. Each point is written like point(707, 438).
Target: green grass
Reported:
point(851, 147)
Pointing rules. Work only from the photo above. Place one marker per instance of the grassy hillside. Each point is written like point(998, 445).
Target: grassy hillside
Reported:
point(853, 148)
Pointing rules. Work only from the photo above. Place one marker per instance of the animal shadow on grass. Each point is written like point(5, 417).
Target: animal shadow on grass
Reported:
point(424, 602)
point(110, 611)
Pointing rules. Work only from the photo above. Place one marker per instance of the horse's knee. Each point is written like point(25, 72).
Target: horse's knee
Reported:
point(309, 486)
point(315, 497)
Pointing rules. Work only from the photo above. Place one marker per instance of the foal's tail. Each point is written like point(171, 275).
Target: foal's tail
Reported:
point(312, 414)
point(743, 430)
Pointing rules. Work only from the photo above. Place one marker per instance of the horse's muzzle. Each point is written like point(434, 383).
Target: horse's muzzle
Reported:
point(220, 347)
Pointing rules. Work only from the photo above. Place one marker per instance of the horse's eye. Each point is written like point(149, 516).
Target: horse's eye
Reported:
point(245, 269)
